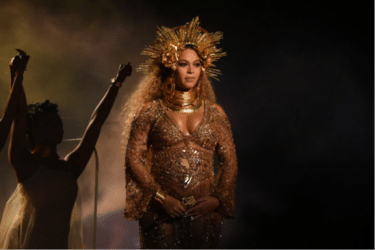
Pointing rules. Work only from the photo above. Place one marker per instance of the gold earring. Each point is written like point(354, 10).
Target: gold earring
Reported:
point(199, 88)
point(168, 88)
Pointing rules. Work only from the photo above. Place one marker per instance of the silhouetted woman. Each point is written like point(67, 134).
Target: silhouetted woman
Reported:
point(39, 212)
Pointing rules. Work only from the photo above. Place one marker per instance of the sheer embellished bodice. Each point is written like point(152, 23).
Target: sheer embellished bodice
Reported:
point(166, 133)
point(161, 157)
point(182, 163)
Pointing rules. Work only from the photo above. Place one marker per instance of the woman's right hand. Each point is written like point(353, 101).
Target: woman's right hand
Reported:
point(173, 207)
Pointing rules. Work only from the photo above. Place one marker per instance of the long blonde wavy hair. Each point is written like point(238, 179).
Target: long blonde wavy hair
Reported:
point(150, 88)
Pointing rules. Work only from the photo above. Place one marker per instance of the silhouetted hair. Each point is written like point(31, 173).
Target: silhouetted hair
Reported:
point(35, 111)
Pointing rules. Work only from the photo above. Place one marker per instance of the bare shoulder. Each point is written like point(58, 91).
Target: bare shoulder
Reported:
point(144, 108)
point(220, 109)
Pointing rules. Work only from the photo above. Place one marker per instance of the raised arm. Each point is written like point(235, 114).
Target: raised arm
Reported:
point(18, 150)
point(80, 156)
point(17, 67)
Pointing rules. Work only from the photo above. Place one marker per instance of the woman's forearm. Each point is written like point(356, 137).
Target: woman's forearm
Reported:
point(10, 110)
point(104, 107)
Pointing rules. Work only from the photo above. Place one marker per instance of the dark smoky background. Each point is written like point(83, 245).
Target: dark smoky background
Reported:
point(297, 86)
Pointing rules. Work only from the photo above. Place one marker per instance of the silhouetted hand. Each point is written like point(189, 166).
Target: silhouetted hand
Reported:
point(19, 62)
point(203, 206)
point(123, 72)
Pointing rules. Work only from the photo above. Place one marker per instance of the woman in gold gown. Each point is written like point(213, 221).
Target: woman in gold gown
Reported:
point(173, 127)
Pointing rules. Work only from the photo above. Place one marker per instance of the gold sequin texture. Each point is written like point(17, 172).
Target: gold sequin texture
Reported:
point(160, 157)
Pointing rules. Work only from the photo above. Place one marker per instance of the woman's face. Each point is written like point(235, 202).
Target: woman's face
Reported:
point(188, 70)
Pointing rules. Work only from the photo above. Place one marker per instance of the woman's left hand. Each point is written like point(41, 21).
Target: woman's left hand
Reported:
point(19, 62)
point(123, 72)
point(203, 206)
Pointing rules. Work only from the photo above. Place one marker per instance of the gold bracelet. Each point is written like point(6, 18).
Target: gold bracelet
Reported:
point(115, 82)
point(160, 196)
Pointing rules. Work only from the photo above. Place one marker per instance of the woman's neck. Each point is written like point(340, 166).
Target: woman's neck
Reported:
point(183, 101)
point(46, 151)
point(183, 97)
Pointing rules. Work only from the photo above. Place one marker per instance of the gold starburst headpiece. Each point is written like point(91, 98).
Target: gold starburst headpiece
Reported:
point(171, 42)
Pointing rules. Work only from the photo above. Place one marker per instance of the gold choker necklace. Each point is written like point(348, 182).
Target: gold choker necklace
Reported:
point(186, 109)
point(184, 102)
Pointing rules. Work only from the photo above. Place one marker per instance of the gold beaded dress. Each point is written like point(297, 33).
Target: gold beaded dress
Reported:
point(160, 157)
